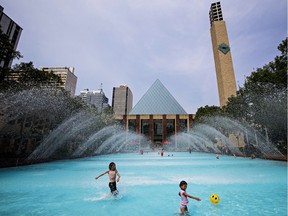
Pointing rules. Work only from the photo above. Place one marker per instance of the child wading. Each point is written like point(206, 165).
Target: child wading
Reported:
point(112, 172)
point(184, 195)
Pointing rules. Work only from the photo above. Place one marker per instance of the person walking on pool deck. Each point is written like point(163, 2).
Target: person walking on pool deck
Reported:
point(112, 172)
point(184, 195)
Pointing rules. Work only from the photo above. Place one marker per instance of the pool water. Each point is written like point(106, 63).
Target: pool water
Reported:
point(149, 185)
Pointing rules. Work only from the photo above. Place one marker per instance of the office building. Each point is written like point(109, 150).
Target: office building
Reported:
point(222, 54)
point(95, 98)
point(122, 99)
point(68, 78)
point(13, 30)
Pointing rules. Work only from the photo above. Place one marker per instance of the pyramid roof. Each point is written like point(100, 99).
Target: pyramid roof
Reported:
point(157, 100)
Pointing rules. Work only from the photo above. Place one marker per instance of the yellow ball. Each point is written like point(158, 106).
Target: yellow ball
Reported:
point(214, 198)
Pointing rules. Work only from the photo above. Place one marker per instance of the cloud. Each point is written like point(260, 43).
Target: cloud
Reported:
point(138, 41)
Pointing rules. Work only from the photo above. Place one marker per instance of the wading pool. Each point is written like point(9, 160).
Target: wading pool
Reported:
point(149, 185)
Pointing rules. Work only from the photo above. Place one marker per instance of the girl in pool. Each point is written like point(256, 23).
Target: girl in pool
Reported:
point(184, 195)
point(112, 172)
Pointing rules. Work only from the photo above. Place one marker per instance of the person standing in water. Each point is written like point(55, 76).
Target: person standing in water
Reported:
point(112, 172)
point(184, 195)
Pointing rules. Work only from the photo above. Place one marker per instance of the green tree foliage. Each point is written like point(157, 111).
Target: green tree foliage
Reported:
point(261, 102)
point(263, 99)
point(108, 110)
point(207, 111)
point(30, 75)
point(7, 53)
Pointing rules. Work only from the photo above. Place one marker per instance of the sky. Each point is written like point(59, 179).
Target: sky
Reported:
point(135, 42)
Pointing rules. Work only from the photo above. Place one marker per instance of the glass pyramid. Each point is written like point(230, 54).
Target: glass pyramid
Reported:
point(157, 100)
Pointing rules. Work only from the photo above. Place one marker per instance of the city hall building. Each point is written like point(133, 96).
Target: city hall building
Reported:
point(157, 115)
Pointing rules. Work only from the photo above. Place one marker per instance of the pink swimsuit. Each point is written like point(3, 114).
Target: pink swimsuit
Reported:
point(184, 199)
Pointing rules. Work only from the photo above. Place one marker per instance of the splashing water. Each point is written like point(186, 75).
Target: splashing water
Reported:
point(214, 136)
point(78, 137)
point(81, 133)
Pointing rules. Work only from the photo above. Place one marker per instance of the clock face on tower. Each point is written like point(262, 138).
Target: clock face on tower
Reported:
point(224, 48)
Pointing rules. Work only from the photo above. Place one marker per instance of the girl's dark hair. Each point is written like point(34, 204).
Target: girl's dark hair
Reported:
point(182, 183)
point(111, 164)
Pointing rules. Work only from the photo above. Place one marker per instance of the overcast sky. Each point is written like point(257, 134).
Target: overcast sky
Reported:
point(135, 42)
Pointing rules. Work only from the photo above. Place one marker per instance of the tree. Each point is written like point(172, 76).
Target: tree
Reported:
point(7, 53)
point(273, 74)
point(263, 99)
point(27, 76)
point(207, 111)
point(261, 102)
point(30, 75)
point(237, 106)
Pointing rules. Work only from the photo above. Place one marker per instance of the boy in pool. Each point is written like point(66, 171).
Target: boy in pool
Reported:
point(184, 195)
point(112, 172)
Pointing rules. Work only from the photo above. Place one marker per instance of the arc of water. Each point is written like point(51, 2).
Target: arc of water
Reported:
point(187, 139)
point(98, 136)
point(212, 133)
point(203, 141)
point(116, 142)
point(56, 138)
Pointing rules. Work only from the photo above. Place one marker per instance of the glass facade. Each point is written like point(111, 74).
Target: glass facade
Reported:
point(95, 98)
point(157, 100)
point(157, 130)
point(132, 125)
point(145, 127)
point(170, 127)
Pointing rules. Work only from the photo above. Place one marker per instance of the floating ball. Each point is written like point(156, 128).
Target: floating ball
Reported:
point(214, 198)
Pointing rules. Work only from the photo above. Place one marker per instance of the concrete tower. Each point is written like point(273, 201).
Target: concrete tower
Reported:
point(222, 54)
point(122, 100)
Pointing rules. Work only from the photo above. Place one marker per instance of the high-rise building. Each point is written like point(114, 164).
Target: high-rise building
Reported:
point(9, 27)
point(68, 78)
point(96, 98)
point(122, 99)
point(222, 54)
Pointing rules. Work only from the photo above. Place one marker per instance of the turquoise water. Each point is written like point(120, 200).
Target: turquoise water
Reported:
point(148, 186)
